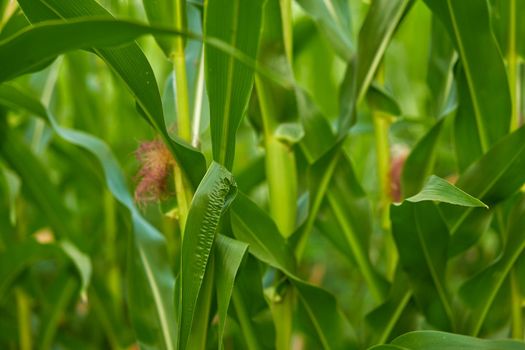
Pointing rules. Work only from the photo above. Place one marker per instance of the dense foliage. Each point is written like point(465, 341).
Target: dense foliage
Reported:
point(262, 174)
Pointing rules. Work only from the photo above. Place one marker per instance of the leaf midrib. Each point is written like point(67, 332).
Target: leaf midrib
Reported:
point(229, 86)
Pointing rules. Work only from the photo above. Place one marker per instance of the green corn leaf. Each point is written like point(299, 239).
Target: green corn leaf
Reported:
point(440, 190)
point(162, 12)
point(420, 161)
point(129, 62)
point(380, 23)
point(433, 340)
point(228, 82)
point(421, 237)
point(212, 197)
point(250, 224)
point(229, 254)
point(502, 176)
point(250, 307)
point(332, 18)
point(486, 96)
point(151, 283)
point(480, 291)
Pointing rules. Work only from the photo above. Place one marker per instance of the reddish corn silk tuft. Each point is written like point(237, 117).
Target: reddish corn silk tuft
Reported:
point(396, 170)
point(153, 176)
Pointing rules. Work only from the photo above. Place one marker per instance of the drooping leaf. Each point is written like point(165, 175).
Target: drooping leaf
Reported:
point(228, 82)
point(129, 62)
point(149, 266)
point(440, 190)
point(212, 197)
point(380, 23)
point(252, 226)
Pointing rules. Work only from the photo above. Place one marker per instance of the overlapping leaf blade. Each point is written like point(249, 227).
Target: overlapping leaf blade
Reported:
point(480, 291)
point(485, 104)
point(381, 21)
point(212, 197)
point(128, 61)
point(421, 238)
point(229, 254)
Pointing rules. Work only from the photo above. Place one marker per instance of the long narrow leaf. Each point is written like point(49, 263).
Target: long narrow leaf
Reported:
point(229, 83)
point(212, 197)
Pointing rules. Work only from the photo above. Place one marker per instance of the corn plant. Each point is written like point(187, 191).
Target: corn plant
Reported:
point(262, 174)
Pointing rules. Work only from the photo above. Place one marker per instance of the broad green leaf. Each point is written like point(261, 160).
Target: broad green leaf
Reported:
point(480, 291)
point(420, 161)
point(433, 340)
point(333, 22)
point(211, 199)
point(129, 62)
point(229, 255)
point(252, 226)
point(488, 89)
point(228, 82)
point(502, 176)
point(440, 190)
point(380, 23)
point(150, 279)
point(421, 237)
